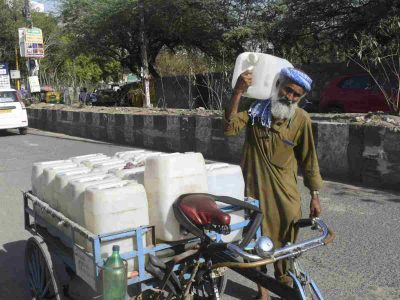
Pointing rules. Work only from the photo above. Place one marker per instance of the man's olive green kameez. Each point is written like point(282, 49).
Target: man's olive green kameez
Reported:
point(269, 163)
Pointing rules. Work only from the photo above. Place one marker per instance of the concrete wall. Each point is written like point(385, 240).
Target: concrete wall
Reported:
point(351, 153)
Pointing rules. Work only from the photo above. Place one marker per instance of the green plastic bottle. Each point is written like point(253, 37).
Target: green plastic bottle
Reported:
point(114, 277)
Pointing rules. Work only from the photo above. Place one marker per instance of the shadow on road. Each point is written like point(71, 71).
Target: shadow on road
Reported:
point(239, 291)
point(5, 132)
point(13, 283)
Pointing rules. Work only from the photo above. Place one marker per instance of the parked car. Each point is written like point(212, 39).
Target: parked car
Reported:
point(354, 93)
point(107, 97)
point(12, 111)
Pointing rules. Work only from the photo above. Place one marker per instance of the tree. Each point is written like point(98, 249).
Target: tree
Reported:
point(10, 20)
point(307, 31)
point(63, 65)
point(378, 53)
point(217, 28)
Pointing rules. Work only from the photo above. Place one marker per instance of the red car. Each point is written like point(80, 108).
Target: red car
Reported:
point(355, 93)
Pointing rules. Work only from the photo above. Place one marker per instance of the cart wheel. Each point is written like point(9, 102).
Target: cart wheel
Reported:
point(43, 282)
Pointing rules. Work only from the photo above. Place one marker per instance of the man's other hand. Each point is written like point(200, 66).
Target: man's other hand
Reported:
point(315, 207)
point(243, 82)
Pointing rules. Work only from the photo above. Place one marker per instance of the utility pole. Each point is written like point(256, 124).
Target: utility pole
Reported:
point(145, 64)
point(27, 11)
point(17, 68)
point(29, 61)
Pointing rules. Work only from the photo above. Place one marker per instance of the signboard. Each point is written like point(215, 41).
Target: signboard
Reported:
point(3, 69)
point(31, 42)
point(4, 76)
point(5, 82)
point(85, 267)
point(34, 84)
point(15, 74)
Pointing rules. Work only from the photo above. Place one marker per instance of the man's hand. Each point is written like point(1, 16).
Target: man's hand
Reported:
point(241, 86)
point(243, 82)
point(315, 206)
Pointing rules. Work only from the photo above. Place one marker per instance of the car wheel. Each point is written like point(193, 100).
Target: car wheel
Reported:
point(334, 110)
point(23, 131)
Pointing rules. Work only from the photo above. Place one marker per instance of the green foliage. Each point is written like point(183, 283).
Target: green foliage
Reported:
point(307, 31)
point(216, 28)
point(378, 53)
point(10, 20)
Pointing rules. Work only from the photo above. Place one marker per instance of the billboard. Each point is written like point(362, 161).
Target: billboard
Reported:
point(31, 42)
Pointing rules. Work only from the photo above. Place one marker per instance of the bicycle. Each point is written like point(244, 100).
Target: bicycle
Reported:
point(198, 272)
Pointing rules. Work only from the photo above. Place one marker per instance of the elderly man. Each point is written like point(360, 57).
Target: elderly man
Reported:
point(278, 139)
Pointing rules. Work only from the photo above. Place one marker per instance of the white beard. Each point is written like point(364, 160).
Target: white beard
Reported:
point(280, 110)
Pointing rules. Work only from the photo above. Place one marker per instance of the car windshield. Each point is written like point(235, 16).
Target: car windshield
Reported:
point(7, 97)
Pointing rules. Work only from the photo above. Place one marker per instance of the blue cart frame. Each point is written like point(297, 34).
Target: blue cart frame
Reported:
point(35, 209)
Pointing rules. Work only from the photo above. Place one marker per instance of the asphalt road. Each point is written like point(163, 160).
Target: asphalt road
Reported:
point(362, 263)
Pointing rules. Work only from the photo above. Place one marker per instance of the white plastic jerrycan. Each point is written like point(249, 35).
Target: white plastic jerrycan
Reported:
point(227, 180)
point(136, 174)
point(166, 177)
point(48, 177)
point(80, 159)
point(37, 172)
point(129, 154)
point(105, 166)
point(38, 187)
point(74, 197)
point(265, 68)
point(112, 207)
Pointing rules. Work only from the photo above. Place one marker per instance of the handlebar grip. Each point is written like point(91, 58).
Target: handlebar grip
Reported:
point(330, 238)
point(304, 223)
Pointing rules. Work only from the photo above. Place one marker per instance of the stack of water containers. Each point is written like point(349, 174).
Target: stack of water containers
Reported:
point(134, 188)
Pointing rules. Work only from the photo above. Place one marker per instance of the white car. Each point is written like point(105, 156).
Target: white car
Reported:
point(12, 111)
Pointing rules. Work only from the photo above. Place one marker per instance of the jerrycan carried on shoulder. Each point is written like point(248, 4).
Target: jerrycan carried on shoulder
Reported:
point(265, 68)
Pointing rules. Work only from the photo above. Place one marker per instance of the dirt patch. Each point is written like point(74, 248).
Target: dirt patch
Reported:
point(368, 119)
point(130, 110)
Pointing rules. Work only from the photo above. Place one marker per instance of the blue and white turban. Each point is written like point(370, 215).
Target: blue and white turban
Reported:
point(298, 77)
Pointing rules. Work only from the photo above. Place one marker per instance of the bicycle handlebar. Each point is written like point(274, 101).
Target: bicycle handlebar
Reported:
point(290, 250)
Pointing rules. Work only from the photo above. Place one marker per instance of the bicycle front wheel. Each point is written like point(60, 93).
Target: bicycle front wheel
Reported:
point(306, 287)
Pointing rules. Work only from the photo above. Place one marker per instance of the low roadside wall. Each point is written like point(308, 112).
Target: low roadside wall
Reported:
point(368, 155)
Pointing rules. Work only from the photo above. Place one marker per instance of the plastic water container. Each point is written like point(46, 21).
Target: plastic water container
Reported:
point(128, 155)
point(61, 182)
point(80, 159)
point(47, 180)
point(110, 207)
point(140, 160)
point(113, 163)
point(265, 69)
point(227, 180)
point(74, 197)
point(74, 193)
point(37, 187)
point(136, 174)
point(37, 172)
point(166, 177)
point(90, 162)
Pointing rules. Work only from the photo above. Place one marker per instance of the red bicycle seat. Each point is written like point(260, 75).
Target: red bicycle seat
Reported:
point(202, 210)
